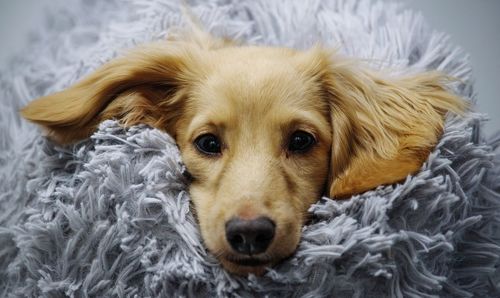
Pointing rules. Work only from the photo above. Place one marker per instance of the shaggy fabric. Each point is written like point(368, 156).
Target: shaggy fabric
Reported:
point(110, 216)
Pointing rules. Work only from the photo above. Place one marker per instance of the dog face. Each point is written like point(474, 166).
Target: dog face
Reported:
point(264, 132)
point(258, 150)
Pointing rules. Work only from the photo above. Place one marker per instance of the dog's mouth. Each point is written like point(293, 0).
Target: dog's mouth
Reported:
point(250, 261)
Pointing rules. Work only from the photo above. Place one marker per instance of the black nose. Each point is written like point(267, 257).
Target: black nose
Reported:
point(250, 236)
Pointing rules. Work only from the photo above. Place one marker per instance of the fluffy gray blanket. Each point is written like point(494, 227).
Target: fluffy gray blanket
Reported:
point(110, 217)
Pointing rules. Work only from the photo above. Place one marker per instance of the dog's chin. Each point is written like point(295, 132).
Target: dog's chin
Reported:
point(245, 266)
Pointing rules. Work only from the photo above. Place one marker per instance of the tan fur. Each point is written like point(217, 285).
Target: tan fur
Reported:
point(371, 129)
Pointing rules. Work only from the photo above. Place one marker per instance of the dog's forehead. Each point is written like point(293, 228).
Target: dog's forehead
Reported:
point(257, 78)
point(253, 89)
point(252, 66)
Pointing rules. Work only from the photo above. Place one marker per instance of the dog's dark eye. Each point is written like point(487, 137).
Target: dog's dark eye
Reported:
point(208, 144)
point(301, 141)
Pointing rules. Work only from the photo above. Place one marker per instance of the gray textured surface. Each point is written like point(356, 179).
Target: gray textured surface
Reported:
point(110, 217)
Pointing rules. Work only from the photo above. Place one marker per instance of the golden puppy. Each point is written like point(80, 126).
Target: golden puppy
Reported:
point(264, 131)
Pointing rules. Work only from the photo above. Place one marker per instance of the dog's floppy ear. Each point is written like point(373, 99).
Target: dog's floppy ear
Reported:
point(145, 86)
point(383, 128)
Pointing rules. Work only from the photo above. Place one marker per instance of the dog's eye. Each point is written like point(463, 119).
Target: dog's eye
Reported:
point(301, 141)
point(208, 144)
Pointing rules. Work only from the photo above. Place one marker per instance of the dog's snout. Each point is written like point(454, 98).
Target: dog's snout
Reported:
point(250, 236)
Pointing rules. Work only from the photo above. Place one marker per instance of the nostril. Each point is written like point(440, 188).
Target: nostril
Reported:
point(250, 236)
point(236, 239)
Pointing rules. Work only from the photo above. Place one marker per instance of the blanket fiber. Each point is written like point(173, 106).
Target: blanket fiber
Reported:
point(110, 216)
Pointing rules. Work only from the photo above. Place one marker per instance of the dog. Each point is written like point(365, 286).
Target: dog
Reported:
point(263, 131)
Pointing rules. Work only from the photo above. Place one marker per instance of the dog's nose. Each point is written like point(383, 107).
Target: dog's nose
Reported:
point(250, 236)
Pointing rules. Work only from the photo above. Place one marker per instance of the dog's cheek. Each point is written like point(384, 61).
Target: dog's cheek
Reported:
point(287, 237)
point(310, 177)
point(209, 218)
point(318, 179)
point(203, 193)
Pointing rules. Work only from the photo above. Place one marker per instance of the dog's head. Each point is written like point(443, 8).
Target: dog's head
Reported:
point(264, 132)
